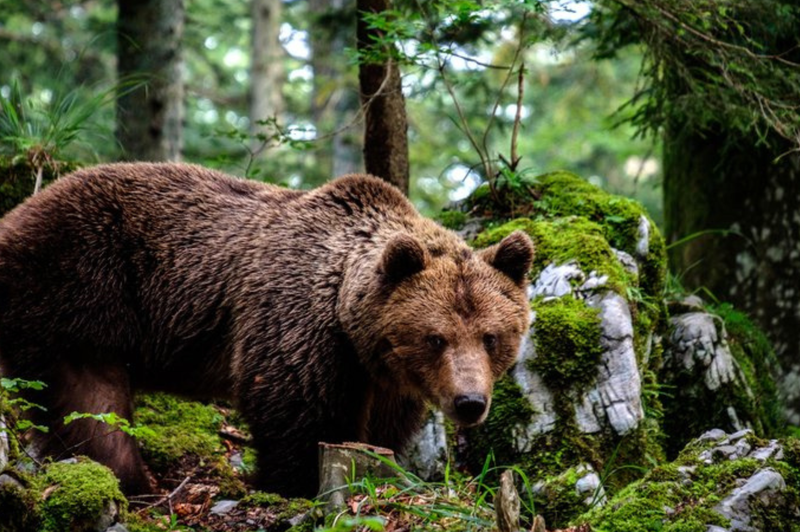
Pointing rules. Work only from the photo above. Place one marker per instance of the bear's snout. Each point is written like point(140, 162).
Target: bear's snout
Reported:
point(470, 408)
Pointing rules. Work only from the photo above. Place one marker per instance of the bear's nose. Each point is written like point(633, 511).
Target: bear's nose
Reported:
point(470, 407)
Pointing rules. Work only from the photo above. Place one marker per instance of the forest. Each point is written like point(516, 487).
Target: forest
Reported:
point(650, 151)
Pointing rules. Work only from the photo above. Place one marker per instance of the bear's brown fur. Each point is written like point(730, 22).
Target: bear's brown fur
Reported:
point(328, 315)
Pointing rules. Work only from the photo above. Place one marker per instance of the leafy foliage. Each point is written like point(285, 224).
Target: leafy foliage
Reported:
point(14, 387)
point(114, 421)
point(734, 64)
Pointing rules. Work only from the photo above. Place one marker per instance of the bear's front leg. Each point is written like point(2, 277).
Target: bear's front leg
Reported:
point(93, 389)
point(287, 464)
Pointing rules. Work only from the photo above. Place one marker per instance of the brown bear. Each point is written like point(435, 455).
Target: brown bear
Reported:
point(330, 315)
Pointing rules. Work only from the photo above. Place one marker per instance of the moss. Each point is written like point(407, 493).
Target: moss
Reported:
point(649, 505)
point(180, 428)
point(566, 194)
point(75, 494)
point(496, 233)
point(562, 240)
point(18, 507)
point(496, 437)
point(558, 501)
point(665, 499)
point(753, 394)
point(759, 364)
point(567, 338)
point(614, 218)
point(261, 499)
point(292, 508)
point(17, 179)
point(452, 219)
point(230, 484)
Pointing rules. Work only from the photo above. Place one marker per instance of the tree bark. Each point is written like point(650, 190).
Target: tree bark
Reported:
point(385, 129)
point(712, 182)
point(344, 462)
point(266, 69)
point(149, 118)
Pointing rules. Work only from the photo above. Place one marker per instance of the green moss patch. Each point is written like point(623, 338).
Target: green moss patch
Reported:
point(558, 499)
point(592, 222)
point(180, 428)
point(74, 495)
point(567, 339)
point(510, 410)
point(562, 240)
point(672, 500)
point(454, 220)
point(17, 179)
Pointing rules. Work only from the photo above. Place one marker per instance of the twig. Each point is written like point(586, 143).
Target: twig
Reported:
point(493, 113)
point(517, 117)
point(38, 184)
point(166, 498)
point(229, 434)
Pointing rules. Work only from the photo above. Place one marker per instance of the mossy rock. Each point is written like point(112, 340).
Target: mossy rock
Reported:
point(567, 339)
point(560, 240)
point(179, 429)
point(719, 370)
point(17, 179)
point(76, 495)
point(606, 254)
point(695, 491)
point(454, 220)
point(623, 223)
point(562, 498)
point(18, 505)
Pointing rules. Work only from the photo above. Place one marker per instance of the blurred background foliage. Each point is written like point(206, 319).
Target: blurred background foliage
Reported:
point(570, 101)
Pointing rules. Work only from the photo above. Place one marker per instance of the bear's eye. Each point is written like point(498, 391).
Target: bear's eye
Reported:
point(489, 341)
point(435, 342)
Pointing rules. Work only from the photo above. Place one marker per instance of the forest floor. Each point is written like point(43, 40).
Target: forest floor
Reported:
point(210, 491)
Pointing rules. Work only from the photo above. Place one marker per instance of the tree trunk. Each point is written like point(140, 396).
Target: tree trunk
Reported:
point(334, 101)
point(149, 118)
point(266, 69)
point(385, 129)
point(741, 189)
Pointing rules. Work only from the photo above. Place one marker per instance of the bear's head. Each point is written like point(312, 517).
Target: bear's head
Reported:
point(448, 321)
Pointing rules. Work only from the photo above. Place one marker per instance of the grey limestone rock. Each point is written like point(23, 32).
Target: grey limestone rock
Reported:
point(762, 487)
point(427, 454)
point(8, 480)
point(696, 342)
point(4, 447)
point(224, 507)
point(643, 234)
point(108, 517)
point(590, 487)
point(614, 401)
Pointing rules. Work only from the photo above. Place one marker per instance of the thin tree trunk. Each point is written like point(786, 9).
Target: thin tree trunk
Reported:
point(743, 190)
point(334, 101)
point(385, 130)
point(266, 70)
point(149, 118)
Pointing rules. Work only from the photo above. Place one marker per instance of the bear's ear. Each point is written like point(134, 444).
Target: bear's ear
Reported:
point(513, 256)
point(403, 256)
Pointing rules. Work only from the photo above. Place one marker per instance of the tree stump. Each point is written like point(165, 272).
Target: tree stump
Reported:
point(342, 464)
point(506, 503)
